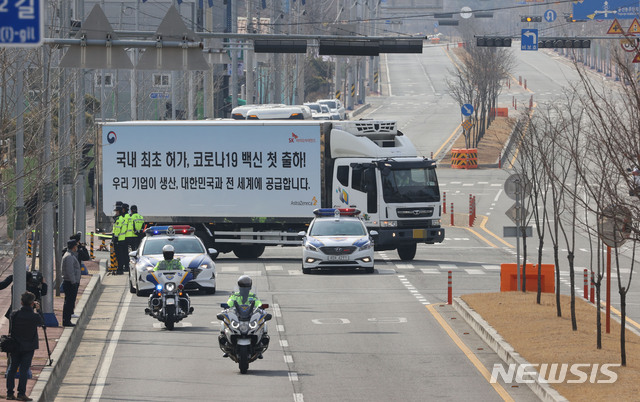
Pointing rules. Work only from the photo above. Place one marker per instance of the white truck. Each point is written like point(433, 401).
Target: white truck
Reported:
point(245, 185)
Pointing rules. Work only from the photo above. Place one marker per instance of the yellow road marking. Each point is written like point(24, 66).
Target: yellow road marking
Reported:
point(470, 355)
point(485, 219)
point(478, 235)
point(447, 140)
point(617, 312)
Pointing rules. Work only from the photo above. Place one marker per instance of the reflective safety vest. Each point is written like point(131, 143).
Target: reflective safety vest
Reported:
point(124, 225)
point(138, 222)
point(236, 298)
point(173, 265)
point(130, 232)
point(118, 228)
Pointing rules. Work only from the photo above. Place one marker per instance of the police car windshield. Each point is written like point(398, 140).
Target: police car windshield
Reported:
point(182, 245)
point(330, 227)
point(411, 185)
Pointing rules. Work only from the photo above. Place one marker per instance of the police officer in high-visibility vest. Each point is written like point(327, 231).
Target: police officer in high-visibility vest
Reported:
point(137, 222)
point(119, 239)
point(125, 235)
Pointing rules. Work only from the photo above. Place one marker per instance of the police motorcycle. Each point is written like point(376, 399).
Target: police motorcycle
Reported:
point(243, 335)
point(168, 302)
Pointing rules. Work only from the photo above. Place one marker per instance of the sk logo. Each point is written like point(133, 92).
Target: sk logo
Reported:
point(293, 138)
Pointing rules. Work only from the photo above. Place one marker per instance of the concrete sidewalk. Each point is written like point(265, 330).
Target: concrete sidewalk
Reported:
point(61, 340)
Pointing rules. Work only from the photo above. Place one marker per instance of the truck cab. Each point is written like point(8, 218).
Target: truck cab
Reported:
point(396, 190)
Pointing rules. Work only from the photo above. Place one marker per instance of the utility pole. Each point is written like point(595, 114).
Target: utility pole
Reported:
point(234, 54)
point(48, 224)
point(250, 79)
point(19, 238)
point(277, 57)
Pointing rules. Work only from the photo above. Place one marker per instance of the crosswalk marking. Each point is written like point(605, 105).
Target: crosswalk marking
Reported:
point(491, 267)
point(273, 267)
point(430, 271)
point(474, 271)
point(448, 266)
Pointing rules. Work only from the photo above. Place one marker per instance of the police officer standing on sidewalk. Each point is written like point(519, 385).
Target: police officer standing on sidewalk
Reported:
point(137, 222)
point(118, 239)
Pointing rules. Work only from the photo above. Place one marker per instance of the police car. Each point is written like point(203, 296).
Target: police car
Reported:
point(337, 238)
point(188, 248)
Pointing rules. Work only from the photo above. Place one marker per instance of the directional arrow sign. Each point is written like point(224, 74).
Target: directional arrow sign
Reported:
point(550, 15)
point(467, 109)
point(529, 39)
point(605, 9)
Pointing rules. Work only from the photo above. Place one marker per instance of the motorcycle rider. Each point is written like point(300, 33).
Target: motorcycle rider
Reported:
point(170, 264)
point(242, 296)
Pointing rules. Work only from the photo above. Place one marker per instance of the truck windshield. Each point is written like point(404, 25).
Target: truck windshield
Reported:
point(411, 185)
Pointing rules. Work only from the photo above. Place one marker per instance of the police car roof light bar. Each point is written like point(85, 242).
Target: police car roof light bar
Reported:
point(169, 230)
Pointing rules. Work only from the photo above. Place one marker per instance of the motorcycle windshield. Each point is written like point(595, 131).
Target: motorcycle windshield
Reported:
point(244, 311)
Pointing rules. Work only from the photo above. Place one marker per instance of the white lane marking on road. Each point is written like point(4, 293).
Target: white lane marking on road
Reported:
point(382, 271)
point(429, 271)
point(298, 398)
point(295, 272)
point(483, 182)
point(386, 65)
point(293, 376)
point(284, 343)
point(288, 359)
point(276, 310)
point(474, 271)
point(229, 269)
point(404, 266)
point(413, 292)
point(273, 267)
point(253, 273)
point(280, 328)
point(491, 267)
point(497, 195)
point(448, 266)
point(496, 184)
point(111, 350)
point(467, 184)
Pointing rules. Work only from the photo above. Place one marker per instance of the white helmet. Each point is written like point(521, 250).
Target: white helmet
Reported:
point(167, 252)
point(168, 248)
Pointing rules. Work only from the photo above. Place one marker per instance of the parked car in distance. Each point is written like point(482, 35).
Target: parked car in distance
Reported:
point(335, 105)
point(318, 111)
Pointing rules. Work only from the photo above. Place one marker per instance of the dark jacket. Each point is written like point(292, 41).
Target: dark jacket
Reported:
point(24, 328)
point(37, 288)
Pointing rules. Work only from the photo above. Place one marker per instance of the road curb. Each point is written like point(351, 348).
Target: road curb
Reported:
point(361, 109)
point(504, 350)
point(63, 353)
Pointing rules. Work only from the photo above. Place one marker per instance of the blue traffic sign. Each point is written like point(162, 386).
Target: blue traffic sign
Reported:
point(159, 95)
point(605, 10)
point(550, 15)
point(529, 39)
point(21, 23)
point(467, 109)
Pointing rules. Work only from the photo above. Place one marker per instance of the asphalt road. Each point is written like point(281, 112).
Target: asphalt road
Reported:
point(338, 336)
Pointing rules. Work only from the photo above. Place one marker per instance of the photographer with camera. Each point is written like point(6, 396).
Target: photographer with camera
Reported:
point(24, 329)
point(35, 285)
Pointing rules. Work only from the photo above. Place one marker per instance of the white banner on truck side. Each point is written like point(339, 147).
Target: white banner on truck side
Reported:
point(223, 170)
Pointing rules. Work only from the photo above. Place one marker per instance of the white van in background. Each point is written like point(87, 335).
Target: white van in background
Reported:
point(280, 112)
point(335, 105)
point(240, 112)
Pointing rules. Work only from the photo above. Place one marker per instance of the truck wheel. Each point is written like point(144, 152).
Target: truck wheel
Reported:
point(406, 253)
point(249, 252)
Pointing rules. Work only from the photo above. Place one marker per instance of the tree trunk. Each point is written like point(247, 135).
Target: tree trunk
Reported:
point(623, 320)
point(556, 259)
point(574, 324)
point(539, 294)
